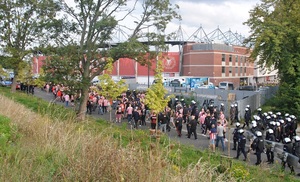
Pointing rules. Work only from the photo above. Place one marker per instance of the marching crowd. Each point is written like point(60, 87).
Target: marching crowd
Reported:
point(264, 129)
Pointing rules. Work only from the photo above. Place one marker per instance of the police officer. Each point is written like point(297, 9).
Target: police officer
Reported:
point(241, 144)
point(296, 147)
point(236, 113)
point(222, 108)
point(258, 146)
point(294, 126)
point(259, 112)
point(287, 149)
point(270, 146)
point(235, 134)
point(247, 117)
point(232, 113)
point(254, 128)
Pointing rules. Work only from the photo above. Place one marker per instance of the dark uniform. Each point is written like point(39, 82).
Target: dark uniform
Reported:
point(287, 149)
point(193, 127)
point(258, 146)
point(241, 144)
point(270, 146)
point(235, 134)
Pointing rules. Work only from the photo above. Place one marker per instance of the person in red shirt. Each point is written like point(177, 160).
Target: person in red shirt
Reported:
point(153, 119)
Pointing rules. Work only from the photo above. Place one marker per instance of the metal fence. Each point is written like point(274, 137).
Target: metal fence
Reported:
point(205, 97)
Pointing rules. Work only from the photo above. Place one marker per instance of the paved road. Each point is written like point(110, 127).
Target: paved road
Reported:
point(202, 142)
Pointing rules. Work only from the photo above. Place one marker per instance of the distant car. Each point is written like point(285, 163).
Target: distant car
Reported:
point(248, 88)
point(6, 83)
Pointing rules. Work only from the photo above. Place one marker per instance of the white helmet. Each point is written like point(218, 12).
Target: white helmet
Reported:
point(255, 116)
point(265, 114)
point(235, 105)
point(281, 121)
point(241, 131)
point(288, 119)
point(259, 109)
point(268, 117)
point(246, 109)
point(286, 115)
point(278, 113)
point(237, 124)
point(273, 123)
point(222, 104)
point(254, 125)
point(270, 112)
point(247, 106)
point(253, 122)
point(297, 138)
point(277, 123)
point(287, 140)
point(232, 105)
point(258, 133)
point(270, 131)
point(292, 116)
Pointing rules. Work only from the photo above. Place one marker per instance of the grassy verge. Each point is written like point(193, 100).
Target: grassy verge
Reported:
point(52, 147)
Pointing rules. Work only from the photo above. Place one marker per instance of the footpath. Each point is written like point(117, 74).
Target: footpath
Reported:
point(201, 143)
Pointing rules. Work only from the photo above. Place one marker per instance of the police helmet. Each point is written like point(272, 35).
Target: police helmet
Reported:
point(272, 123)
point(247, 106)
point(222, 104)
point(286, 115)
point(235, 105)
point(237, 124)
point(253, 122)
point(270, 112)
point(281, 121)
point(273, 116)
point(246, 109)
point(278, 113)
point(270, 131)
point(277, 123)
point(182, 99)
point(254, 125)
point(268, 117)
point(292, 116)
point(241, 131)
point(297, 138)
point(176, 99)
point(232, 105)
point(257, 118)
point(287, 140)
point(265, 114)
point(259, 109)
point(288, 119)
point(258, 133)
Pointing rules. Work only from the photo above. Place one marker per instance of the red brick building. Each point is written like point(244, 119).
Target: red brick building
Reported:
point(219, 62)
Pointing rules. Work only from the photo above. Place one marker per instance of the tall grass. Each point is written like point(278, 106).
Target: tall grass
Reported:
point(49, 148)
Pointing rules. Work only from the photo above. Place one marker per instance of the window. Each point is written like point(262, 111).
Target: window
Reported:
point(241, 70)
point(230, 69)
point(223, 57)
point(245, 71)
point(230, 58)
point(223, 69)
point(236, 70)
point(236, 59)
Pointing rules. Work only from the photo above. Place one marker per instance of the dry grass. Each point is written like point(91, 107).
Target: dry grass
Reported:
point(53, 150)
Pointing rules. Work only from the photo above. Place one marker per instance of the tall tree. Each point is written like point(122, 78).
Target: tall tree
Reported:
point(275, 39)
point(22, 24)
point(89, 25)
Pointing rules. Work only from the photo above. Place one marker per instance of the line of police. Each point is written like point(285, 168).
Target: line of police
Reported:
point(269, 131)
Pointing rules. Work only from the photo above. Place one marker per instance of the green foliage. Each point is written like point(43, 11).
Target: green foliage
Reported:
point(275, 38)
point(156, 95)
point(108, 87)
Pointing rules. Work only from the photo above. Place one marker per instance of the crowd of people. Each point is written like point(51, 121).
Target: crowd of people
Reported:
point(264, 129)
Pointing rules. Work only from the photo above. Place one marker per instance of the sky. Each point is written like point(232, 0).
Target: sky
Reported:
point(212, 14)
point(208, 14)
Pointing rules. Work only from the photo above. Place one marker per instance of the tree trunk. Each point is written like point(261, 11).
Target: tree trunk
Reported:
point(14, 84)
point(82, 105)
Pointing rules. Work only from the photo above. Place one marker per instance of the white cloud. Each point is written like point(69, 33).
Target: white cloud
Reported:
point(211, 14)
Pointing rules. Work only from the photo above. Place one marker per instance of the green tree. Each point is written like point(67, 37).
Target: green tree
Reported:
point(89, 25)
point(22, 25)
point(156, 98)
point(107, 87)
point(275, 39)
